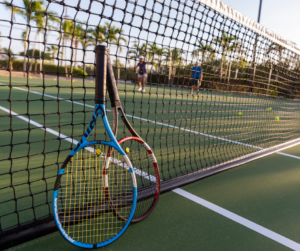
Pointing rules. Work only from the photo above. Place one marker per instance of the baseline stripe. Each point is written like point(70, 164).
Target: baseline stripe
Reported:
point(234, 217)
point(73, 141)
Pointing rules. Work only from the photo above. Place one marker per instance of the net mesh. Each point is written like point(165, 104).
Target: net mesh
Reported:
point(248, 96)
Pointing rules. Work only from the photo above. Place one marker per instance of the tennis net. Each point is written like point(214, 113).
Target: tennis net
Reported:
point(247, 104)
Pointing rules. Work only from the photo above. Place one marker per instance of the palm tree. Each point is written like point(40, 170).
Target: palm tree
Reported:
point(277, 49)
point(52, 50)
point(138, 51)
point(79, 34)
point(29, 7)
point(154, 50)
point(35, 55)
point(226, 43)
point(160, 52)
point(96, 36)
point(174, 58)
point(41, 24)
point(67, 27)
point(112, 34)
point(118, 64)
point(85, 42)
point(76, 33)
point(204, 49)
point(10, 58)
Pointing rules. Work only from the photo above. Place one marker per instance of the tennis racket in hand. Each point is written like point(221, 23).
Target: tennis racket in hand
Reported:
point(96, 182)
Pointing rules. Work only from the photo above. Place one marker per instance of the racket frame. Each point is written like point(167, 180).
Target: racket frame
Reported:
point(100, 99)
point(117, 109)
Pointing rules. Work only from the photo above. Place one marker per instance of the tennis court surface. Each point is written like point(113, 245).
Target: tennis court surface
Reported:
point(250, 207)
point(214, 95)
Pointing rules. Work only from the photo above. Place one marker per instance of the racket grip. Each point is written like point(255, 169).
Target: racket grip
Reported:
point(101, 74)
point(112, 86)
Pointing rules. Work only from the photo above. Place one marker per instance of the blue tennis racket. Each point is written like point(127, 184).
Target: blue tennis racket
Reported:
point(96, 182)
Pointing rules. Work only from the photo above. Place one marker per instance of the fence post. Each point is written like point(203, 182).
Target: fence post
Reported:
point(269, 80)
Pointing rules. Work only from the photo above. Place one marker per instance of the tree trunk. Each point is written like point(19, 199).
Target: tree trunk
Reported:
point(40, 55)
point(66, 69)
point(32, 55)
point(76, 46)
point(72, 57)
point(221, 68)
point(25, 51)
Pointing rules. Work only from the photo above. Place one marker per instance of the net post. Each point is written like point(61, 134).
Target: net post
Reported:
point(269, 80)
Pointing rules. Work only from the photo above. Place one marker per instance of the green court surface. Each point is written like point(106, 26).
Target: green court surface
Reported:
point(187, 134)
point(264, 192)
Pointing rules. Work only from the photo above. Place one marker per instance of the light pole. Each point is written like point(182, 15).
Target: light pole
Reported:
point(259, 11)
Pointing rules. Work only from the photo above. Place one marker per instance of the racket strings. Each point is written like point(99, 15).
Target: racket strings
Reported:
point(146, 175)
point(92, 190)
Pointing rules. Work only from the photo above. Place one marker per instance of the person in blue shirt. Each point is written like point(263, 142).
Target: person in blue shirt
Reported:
point(196, 76)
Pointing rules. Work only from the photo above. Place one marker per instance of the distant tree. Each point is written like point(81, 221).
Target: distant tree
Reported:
point(276, 48)
point(30, 10)
point(204, 50)
point(113, 35)
point(9, 55)
point(226, 43)
point(117, 63)
point(52, 50)
point(36, 54)
point(137, 51)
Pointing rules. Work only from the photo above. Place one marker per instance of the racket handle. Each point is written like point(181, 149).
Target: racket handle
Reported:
point(101, 74)
point(112, 86)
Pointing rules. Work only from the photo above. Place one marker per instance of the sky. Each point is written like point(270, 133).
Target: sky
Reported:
point(280, 16)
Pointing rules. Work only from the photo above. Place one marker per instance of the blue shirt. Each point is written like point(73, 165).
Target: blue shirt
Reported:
point(196, 71)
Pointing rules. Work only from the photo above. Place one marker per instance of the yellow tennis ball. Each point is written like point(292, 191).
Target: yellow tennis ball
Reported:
point(270, 109)
point(127, 150)
point(54, 79)
point(98, 152)
point(276, 118)
point(91, 81)
point(267, 109)
point(240, 114)
point(195, 97)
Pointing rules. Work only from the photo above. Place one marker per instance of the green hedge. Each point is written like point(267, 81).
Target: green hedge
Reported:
point(49, 69)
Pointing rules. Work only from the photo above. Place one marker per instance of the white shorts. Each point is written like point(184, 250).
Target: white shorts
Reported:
point(140, 76)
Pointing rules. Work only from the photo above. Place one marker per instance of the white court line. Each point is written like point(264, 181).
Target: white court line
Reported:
point(238, 219)
point(251, 225)
point(155, 122)
point(73, 141)
point(203, 101)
